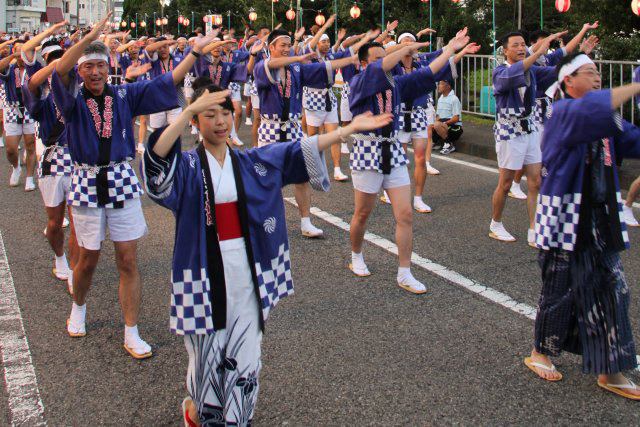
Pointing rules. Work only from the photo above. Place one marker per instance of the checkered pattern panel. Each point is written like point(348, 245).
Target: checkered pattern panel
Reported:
point(314, 99)
point(557, 221)
point(60, 159)
point(367, 155)
point(15, 113)
point(254, 89)
point(346, 90)
point(234, 88)
point(538, 119)
point(623, 223)
point(419, 120)
point(121, 179)
point(190, 305)
point(3, 97)
point(269, 133)
point(274, 280)
point(508, 124)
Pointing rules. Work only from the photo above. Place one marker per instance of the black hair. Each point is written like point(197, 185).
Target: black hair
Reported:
point(161, 39)
point(504, 40)
point(537, 35)
point(363, 52)
point(276, 33)
point(56, 54)
point(201, 84)
point(194, 34)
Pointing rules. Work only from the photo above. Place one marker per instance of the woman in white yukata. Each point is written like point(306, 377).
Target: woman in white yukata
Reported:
point(231, 261)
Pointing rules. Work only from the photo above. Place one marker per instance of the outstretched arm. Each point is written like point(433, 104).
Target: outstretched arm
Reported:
point(185, 65)
point(30, 46)
point(361, 123)
point(275, 63)
point(314, 41)
point(575, 42)
point(41, 77)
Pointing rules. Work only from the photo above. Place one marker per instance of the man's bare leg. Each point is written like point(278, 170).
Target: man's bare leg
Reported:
point(497, 230)
point(420, 174)
point(302, 194)
point(255, 126)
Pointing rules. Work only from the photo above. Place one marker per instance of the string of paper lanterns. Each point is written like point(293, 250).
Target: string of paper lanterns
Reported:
point(563, 6)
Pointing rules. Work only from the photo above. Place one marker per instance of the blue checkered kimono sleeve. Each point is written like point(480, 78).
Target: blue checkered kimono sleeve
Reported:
point(506, 79)
point(34, 101)
point(263, 75)
point(240, 55)
point(580, 121)
point(317, 75)
point(65, 97)
point(152, 96)
point(416, 84)
point(238, 72)
point(428, 57)
point(545, 77)
point(163, 178)
point(367, 83)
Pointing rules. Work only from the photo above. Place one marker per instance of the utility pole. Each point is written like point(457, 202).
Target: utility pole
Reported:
point(519, 14)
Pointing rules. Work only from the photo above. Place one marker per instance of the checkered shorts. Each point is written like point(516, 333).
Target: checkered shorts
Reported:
point(315, 99)
point(17, 115)
point(508, 124)
point(121, 179)
point(419, 120)
point(60, 161)
point(367, 155)
point(270, 130)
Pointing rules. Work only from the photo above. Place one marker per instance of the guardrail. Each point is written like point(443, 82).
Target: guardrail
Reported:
point(474, 87)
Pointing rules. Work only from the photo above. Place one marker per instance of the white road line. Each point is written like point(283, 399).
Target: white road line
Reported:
point(451, 276)
point(25, 404)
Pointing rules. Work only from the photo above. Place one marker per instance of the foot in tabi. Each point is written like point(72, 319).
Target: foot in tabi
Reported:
point(420, 206)
point(531, 238)
point(357, 265)
point(339, 176)
point(248, 122)
point(620, 385)
point(385, 198)
point(344, 148)
point(308, 229)
point(516, 192)
point(15, 176)
point(135, 345)
point(188, 412)
point(542, 366)
point(140, 148)
point(448, 148)
point(409, 283)
point(628, 216)
point(76, 321)
point(498, 232)
point(431, 170)
point(29, 184)
point(61, 270)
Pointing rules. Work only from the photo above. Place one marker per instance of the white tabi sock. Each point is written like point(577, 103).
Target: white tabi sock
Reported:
point(131, 333)
point(78, 314)
point(404, 273)
point(305, 221)
point(337, 170)
point(357, 259)
point(61, 263)
point(28, 181)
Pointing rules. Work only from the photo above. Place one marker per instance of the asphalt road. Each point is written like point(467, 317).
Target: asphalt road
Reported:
point(341, 351)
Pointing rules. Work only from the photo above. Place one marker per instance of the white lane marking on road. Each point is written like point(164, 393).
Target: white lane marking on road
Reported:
point(25, 404)
point(457, 279)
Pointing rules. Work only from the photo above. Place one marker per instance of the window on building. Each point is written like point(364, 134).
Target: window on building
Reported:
point(66, 7)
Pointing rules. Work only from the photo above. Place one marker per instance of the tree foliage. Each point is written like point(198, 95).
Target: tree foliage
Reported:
point(617, 22)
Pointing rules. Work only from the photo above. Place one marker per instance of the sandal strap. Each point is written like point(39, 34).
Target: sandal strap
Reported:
point(629, 386)
point(551, 368)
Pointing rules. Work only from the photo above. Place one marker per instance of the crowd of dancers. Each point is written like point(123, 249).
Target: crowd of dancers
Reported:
point(79, 95)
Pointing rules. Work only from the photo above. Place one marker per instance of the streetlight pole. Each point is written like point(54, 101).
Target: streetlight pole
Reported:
point(136, 24)
point(192, 20)
point(154, 24)
point(519, 14)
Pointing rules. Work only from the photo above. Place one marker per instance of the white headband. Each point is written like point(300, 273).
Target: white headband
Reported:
point(182, 38)
point(50, 49)
point(567, 70)
point(279, 37)
point(93, 56)
point(324, 37)
point(403, 35)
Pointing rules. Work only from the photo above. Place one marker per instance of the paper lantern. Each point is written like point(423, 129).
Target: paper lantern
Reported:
point(123, 24)
point(252, 15)
point(133, 24)
point(180, 19)
point(217, 19)
point(186, 22)
point(563, 6)
point(355, 11)
point(291, 14)
point(424, 1)
point(455, 1)
point(205, 18)
point(158, 22)
point(635, 7)
point(165, 21)
point(143, 24)
point(320, 19)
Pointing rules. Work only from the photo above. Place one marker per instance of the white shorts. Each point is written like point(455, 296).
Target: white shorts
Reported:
point(255, 102)
point(318, 118)
point(236, 95)
point(164, 118)
point(54, 189)
point(246, 89)
point(188, 93)
point(371, 182)
point(345, 111)
point(431, 116)
point(405, 137)
point(123, 224)
point(519, 151)
point(16, 129)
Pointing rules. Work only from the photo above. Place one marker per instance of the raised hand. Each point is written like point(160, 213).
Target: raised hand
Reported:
point(277, 27)
point(99, 27)
point(342, 33)
point(299, 33)
point(207, 101)
point(367, 121)
point(460, 40)
point(588, 26)
point(471, 48)
point(392, 25)
point(258, 45)
point(201, 42)
point(330, 21)
point(589, 44)
point(372, 34)
point(425, 31)
point(135, 71)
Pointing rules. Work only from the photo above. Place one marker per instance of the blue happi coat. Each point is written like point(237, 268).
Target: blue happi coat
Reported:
point(315, 99)
point(512, 119)
point(222, 73)
point(377, 91)
point(127, 102)
point(571, 126)
point(175, 182)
